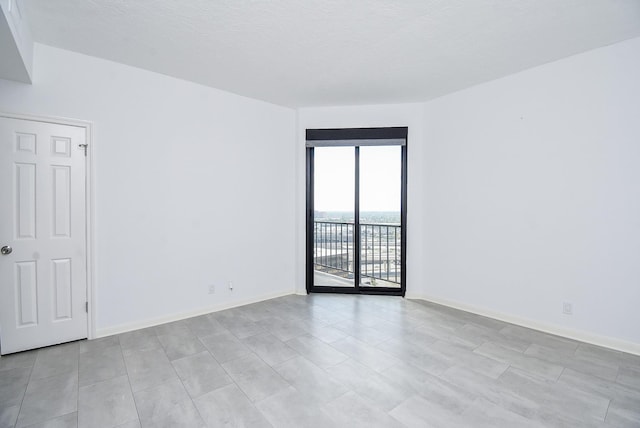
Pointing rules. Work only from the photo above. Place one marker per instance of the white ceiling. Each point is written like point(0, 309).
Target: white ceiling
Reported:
point(334, 52)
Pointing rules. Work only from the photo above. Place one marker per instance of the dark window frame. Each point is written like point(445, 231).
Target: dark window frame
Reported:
point(343, 135)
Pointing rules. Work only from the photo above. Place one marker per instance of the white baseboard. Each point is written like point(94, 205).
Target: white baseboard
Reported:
point(151, 322)
point(579, 335)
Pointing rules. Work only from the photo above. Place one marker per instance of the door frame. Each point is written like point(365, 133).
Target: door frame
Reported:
point(355, 134)
point(89, 202)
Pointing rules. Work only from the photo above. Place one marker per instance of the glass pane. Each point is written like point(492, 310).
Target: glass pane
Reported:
point(334, 196)
point(380, 202)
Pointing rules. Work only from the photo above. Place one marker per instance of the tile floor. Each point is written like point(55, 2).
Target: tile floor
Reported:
point(323, 361)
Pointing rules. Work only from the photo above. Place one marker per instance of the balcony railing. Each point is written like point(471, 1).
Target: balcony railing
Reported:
point(380, 251)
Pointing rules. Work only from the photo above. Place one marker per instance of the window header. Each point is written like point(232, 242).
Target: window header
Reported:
point(396, 136)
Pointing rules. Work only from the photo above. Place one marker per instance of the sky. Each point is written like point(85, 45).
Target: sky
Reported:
point(380, 178)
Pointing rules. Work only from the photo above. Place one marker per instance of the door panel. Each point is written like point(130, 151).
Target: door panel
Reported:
point(26, 294)
point(43, 281)
point(25, 200)
point(379, 215)
point(334, 175)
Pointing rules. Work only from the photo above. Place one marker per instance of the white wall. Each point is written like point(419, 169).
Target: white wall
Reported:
point(194, 186)
point(16, 45)
point(532, 185)
point(410, 115)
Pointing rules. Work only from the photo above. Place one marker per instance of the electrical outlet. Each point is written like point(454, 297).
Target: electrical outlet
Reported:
point(212, 289)
point(567, 308)
point(230, 285)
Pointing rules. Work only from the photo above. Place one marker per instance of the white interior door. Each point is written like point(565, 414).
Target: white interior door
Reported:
point(43, 265)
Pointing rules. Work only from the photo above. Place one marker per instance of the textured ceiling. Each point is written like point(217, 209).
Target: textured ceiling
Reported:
point(334, 52)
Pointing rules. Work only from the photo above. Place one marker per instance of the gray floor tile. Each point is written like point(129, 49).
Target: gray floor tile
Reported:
point(101, 364)
point(249, 363)
point(486, 387)
point(239, 325)
point(418, 355)
point(517, 359)
point(260, 311)
point(269, 348)
point(374, 388)
point(183, 414)
point(229, 407)
point(13, 384)
point(560, 344)
point(417, 336)
point(437, 324)
point(365, 354)
point(69, 420)
point(446, 334)
point(430, 387)
point(175, 328)
point(204, 325)
point(483, 413)
point(106, 404)
point(461, 356)
point(180, 345)
point(283, 329)
point(224, 346)
point(317, 351)
point(322, 317)
point(161, 404)
point(310, 380)
point(623, 414)
point(148, 368)
point(255, 377)
point(9, 415)
point(629, 377)
point(98, 344)
point(420, 413)
point(132, 424)
point(49, 398)
point(591, 366)
point(480, 321)
point(371, 335)
point(139, 340)
point(555, 401)
point(288, 409)
point(607, 356)
point(351, 411)
point(327, 334)
point(18, 360)
point(56, 360)
point(598, 385)
point(479, 334)
point(201, 373)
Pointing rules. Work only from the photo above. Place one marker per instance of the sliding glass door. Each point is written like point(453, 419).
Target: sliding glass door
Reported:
point(333, 232)
point(379, 217)
point(356, 200)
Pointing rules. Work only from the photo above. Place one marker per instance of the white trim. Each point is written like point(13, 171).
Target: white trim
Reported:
point(151, 322)
point(91, 254)
point(579, 335)
point(89, 202)
point(357, 142)
point(48, 119)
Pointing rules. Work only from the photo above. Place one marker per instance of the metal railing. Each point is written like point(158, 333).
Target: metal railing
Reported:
point(380, 251)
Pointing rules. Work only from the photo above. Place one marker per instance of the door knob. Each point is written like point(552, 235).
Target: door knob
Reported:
point(6, 250)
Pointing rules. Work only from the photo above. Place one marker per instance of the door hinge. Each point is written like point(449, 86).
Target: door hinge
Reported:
point(86, 307)
point(84, 146)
